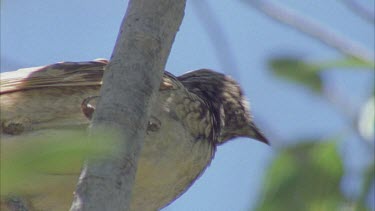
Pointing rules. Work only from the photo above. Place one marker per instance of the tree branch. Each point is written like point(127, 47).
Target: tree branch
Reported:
point(313, 29)
point(129, 86)
point(218, 38)
point(358, 9)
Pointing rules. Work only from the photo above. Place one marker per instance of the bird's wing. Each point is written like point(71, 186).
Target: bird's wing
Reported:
point(55, 75)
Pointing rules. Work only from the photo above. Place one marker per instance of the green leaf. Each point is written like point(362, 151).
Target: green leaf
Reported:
point(304, 177)
point(297, 71)
point(347, 62)
point(308, 73)
point(31, 164)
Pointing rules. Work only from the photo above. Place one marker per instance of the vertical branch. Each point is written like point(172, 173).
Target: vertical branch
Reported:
point(129, 86)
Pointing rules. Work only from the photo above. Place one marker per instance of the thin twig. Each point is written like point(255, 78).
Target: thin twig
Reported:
point(361, 11)
point(313, 29)
point(218, 38)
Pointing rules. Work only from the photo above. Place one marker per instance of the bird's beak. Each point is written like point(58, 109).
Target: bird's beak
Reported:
point(256, 134)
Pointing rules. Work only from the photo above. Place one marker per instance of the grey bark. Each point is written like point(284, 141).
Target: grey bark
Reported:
point(129, 86)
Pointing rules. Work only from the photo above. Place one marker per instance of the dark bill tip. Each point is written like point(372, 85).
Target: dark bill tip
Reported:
point(258, 135)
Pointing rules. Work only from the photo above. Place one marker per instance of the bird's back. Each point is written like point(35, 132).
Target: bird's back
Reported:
point(47, 97)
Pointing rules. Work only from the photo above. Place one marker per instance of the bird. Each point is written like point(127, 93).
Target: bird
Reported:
point(192, 115)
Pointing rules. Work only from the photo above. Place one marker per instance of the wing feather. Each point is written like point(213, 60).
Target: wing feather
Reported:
point(55, 75)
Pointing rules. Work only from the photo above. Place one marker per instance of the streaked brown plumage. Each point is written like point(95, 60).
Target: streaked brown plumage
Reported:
point(194, 113)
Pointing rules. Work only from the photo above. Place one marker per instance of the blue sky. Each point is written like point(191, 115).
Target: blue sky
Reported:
point(39, 32)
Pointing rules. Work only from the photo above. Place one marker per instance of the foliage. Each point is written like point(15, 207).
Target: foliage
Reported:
point(304, 177)
point(298, 71)
point(307, 176)
point(33, 160)
point(308, 74)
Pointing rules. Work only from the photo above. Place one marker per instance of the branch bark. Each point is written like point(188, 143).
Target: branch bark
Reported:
point(129, 87)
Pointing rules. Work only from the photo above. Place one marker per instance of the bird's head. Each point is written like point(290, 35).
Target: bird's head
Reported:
point(229, 105)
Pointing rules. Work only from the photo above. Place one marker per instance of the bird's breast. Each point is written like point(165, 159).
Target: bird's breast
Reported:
point(172, 157)
point(175, 152)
